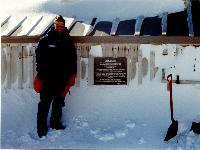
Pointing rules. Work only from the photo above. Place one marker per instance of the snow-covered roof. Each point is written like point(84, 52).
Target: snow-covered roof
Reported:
point(183, 23)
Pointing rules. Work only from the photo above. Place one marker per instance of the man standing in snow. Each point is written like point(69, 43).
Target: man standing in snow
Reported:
point(56, 64)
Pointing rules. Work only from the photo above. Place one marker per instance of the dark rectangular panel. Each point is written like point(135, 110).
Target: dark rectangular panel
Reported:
point(177, 24)
point(151, 26)
point(126, 27)
point(110, 71)
point(102, 28)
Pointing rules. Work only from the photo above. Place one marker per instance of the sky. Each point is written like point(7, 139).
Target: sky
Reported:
point(87, 9)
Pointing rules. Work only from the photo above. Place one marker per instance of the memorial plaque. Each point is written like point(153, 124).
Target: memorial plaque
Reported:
point(110, 71)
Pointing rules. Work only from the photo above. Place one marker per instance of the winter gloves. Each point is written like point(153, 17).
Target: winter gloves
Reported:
point(38, 84)
point(70, 83)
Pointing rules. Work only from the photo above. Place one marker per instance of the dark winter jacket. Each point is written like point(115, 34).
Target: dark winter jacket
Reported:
point(56, 59)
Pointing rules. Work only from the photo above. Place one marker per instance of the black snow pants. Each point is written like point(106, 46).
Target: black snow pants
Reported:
point(50, 93)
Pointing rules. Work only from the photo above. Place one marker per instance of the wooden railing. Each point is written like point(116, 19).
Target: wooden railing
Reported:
point(18, 56)
point(114, 39)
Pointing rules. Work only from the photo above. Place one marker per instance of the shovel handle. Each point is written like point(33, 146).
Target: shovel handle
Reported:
point(169, 76)
point(171, 99)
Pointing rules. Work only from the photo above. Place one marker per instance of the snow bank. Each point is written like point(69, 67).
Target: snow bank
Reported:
point(182, 61)
point(104, 117)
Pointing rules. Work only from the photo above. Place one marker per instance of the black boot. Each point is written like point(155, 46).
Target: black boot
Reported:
point(42, 131)
point(56, 115)
point(57, 125)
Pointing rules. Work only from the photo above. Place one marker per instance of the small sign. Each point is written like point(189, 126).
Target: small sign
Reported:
point(110, 71)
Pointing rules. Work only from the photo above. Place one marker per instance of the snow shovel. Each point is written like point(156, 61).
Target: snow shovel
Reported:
point(173, 128)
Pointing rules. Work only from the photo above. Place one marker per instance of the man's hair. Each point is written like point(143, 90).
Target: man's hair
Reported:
point(59, 18)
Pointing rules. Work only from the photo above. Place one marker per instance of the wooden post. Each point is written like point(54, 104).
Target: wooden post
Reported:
point(115, 50)
point(83, 69)
point(134, 69)
point(152, 65)
point(107, 50)
point(163, 73)
point(110, 50)
point(144, 66)
point(8, 58)
point(3, 65)
point(91, 70)
point(139, 66)
point(30, 50)
point(34, 61)
point(128, 57)
point(20, 67)
point(134, 48)
point(104, 49)
point(133, 52)
point(78, 76)
point(122, 49)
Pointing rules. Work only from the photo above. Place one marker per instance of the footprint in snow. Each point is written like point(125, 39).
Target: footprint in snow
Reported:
point(100, 135)
point(121, 133)
point(141, 141)
point(130, 124)
point(53, 134)
point(80, 122)
point(106, 137)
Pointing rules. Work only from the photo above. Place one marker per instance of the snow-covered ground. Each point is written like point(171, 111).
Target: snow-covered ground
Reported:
point(109, 117)
point(105, 117)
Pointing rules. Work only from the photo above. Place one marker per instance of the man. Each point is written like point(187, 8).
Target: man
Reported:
point(56, 65)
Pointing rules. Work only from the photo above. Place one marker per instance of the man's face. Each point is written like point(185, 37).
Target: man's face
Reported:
point(59, 26)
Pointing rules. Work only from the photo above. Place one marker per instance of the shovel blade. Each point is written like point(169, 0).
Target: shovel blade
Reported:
point(172, 130)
